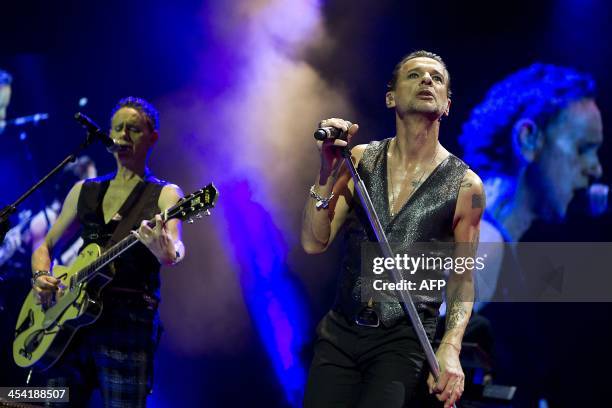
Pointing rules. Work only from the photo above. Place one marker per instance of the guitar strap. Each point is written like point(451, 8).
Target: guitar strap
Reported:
point(130, 211)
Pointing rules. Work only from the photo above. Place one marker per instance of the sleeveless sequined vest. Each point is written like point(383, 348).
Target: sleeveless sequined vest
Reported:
point(427, 216)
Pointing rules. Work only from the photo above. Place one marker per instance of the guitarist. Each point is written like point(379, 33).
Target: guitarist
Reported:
point(116, 352)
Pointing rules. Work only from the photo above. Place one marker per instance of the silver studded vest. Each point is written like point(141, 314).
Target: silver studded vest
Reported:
point(427, 216)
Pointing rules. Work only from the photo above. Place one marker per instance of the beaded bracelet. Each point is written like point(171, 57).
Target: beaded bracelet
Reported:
point(38, 274)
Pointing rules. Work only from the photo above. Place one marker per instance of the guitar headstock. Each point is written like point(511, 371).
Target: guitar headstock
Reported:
point(194, 205)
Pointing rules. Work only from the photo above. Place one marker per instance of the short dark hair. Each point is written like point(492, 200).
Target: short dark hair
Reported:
point(5, 78)
point(142, 106)
point(539, 92)
point(417, 54)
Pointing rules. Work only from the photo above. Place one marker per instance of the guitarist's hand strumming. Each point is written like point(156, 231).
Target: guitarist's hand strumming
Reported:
point(46, 288)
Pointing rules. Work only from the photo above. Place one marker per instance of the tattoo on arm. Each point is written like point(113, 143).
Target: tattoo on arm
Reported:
point(456, 315)
point(457, 312)
point(465, 184)
point(474, 244)
point(477, 201)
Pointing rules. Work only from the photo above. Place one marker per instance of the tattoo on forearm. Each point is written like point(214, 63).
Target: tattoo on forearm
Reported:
point(474, 244)
point(456, 315)
point(477, 201)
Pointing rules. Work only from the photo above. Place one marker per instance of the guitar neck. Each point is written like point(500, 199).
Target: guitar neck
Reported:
point(87, 273)
point(187, 207)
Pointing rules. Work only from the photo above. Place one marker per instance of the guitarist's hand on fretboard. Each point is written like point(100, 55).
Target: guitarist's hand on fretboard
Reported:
point(159, 241)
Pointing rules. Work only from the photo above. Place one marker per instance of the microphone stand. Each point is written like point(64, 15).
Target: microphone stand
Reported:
point(405, 298)
point(7, 211)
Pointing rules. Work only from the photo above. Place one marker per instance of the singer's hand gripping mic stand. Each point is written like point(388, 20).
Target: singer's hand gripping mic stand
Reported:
point(6, 212)
point(405, 298)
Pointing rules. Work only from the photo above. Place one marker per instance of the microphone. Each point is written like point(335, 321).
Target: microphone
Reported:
point(24, 120)
point(95, 131)
point(598, 198)
point(327, 133)
point(330, 132)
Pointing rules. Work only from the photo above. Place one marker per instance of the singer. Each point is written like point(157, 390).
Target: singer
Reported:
point(367, 354)
point(116, 352)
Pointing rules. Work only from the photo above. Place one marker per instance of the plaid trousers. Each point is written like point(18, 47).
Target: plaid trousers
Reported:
point(115, 354)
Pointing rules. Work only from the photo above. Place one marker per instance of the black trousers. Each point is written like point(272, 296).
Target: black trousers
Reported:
point(378, 367)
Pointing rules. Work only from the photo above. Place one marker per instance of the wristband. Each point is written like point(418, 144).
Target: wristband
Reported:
point(179, 251)
point(38, 274)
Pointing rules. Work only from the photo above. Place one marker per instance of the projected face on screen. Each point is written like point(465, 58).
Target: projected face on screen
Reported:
point(568, 158)
point(534, 140)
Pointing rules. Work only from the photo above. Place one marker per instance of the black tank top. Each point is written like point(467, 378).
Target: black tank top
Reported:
point(136, 268)
point(427, 216)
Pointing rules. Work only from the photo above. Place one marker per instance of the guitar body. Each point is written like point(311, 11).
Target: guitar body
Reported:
point(42, 335)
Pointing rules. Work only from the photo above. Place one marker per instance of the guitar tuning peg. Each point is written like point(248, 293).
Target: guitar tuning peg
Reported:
point(207, 213)
point(190, 221)
point(198, 216)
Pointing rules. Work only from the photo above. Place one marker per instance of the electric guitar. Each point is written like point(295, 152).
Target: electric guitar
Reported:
point(42, 335)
